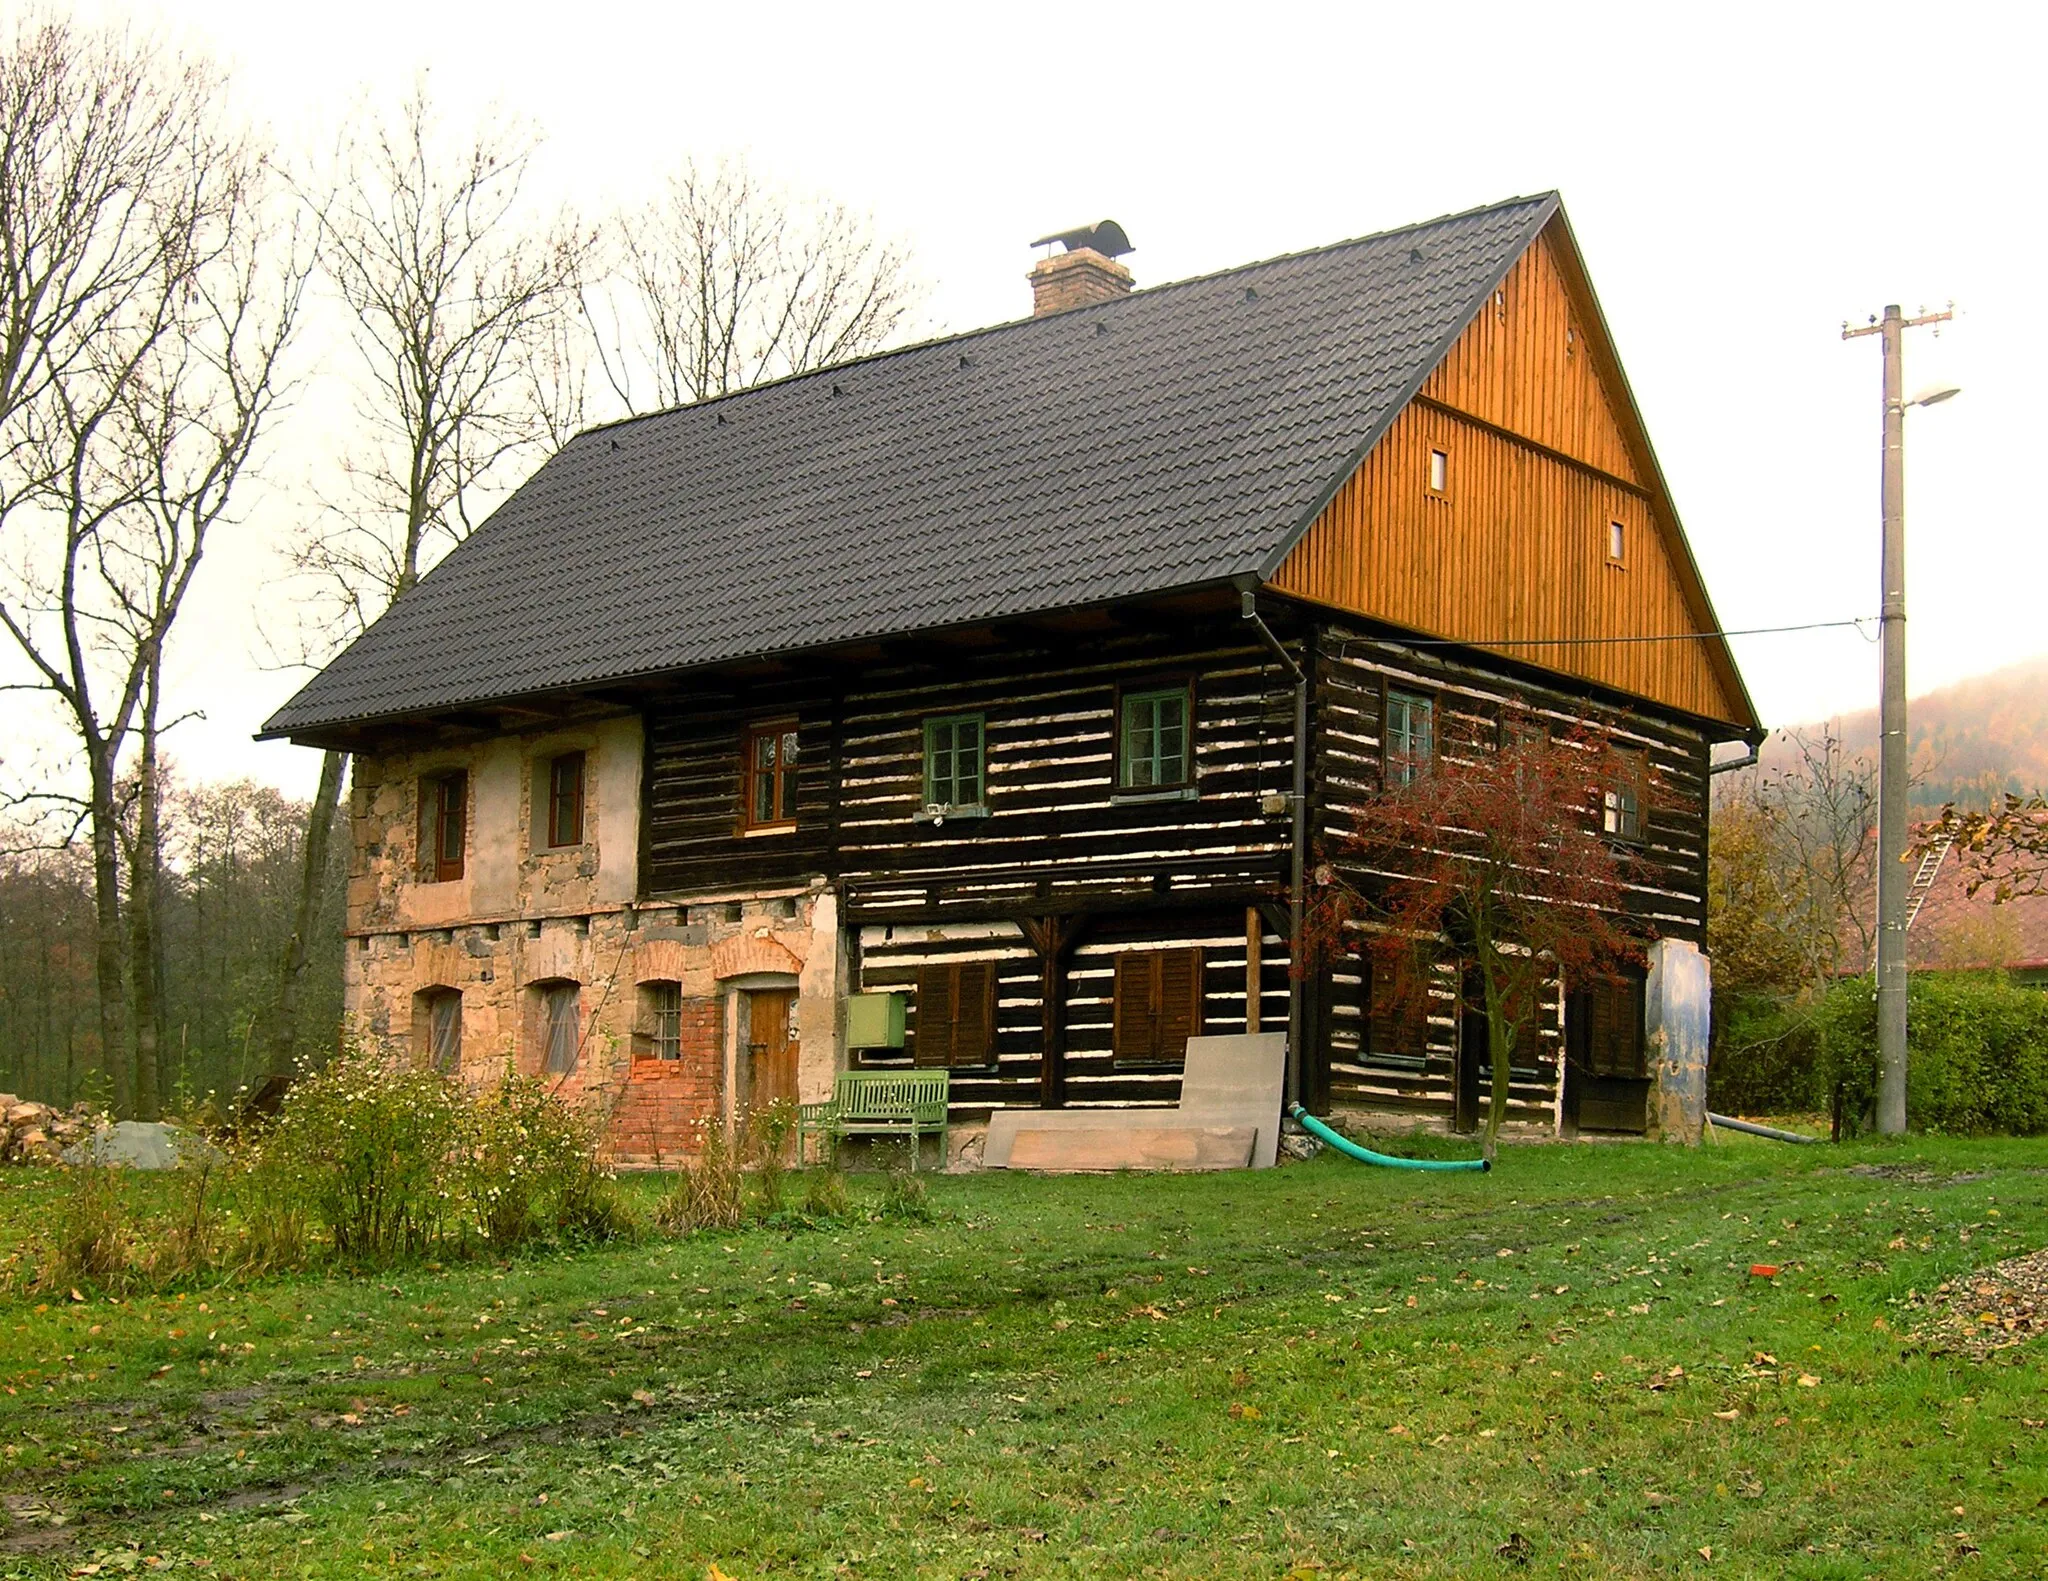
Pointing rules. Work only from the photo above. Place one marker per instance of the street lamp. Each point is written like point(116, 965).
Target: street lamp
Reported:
point(1893, 757)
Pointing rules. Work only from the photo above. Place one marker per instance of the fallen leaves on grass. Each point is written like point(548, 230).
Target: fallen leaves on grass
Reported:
point(1991, 1310)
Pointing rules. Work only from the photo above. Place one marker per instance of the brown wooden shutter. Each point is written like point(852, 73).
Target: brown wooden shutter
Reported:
point(454, 822)
point(974, 1013)
point(1136, 1037)
point(933, 1043)
point(1180, 1002)
point(1158, 1005)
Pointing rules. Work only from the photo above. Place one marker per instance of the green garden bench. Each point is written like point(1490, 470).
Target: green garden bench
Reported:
point(906, 1103)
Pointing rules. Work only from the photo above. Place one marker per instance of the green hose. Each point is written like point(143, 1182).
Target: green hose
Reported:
point(1366, 1155)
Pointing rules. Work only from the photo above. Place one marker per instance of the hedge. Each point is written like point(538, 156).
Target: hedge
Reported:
point(1977, 1051)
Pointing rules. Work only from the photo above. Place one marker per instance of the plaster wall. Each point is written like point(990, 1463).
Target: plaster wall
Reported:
point(522, 917)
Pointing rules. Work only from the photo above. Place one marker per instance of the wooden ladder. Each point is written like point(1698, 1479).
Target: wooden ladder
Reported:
point(1923, 879)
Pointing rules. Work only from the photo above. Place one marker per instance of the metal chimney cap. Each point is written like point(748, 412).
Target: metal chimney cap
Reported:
point(1105, 236)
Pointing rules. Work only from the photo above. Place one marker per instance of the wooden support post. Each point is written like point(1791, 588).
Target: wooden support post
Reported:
point(1254, 967)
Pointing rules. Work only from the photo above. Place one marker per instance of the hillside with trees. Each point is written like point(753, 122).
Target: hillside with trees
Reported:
point(1972, 742)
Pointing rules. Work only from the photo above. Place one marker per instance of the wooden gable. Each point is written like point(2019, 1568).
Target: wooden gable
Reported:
point(1542, 456)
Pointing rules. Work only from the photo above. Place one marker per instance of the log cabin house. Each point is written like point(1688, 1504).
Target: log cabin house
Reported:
point(980, 704)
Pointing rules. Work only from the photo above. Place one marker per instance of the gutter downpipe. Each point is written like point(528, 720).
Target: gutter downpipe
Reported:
point(1298, 801)
point(1755, 745)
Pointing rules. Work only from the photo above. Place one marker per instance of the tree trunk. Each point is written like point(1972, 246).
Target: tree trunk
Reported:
point(284, 1039)
point(144, 865)
point(1500, 1044)
point(110, 945)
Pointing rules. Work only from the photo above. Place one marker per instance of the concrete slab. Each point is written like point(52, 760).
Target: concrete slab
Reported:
point(1004, 1125)
point(1237, 1081)
point(1073, 1150)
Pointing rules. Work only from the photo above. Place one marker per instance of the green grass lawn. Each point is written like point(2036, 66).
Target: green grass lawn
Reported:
point(1322, 1370)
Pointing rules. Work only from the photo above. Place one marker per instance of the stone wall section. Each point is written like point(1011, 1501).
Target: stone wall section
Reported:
point(522, 919)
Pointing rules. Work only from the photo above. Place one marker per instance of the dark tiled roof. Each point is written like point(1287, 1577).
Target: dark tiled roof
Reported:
point(1173, 438)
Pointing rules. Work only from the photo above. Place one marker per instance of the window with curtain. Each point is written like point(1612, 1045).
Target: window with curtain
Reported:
point(561, 1026)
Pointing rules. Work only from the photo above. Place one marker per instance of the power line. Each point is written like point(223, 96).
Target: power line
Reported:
point(1595, 642)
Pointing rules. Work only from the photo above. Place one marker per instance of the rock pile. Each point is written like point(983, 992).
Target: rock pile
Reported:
point(36, 1133)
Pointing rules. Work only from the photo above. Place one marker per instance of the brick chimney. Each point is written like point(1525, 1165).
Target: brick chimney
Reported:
point(1085, 273)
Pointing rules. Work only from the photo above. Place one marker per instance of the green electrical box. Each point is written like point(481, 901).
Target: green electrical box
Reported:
point(874, 1021)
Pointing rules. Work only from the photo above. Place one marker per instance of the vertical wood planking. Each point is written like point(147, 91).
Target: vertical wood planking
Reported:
point(1515, 549)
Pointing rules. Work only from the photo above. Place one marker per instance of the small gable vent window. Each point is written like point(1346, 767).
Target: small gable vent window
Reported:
point(1439, 472)
point(1617, 544)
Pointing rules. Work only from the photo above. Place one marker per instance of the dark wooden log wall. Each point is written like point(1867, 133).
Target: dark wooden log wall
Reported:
point(891, 954)
point(693, 843)
point(1059, 836)
point(1666, 897)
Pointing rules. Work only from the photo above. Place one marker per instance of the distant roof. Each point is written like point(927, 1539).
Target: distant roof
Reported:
point(1957, 931)
point(1170, 439)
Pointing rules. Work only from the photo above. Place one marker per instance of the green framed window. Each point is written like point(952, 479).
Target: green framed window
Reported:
point(953, 761)
point(1410, 737)
point(1153, 733)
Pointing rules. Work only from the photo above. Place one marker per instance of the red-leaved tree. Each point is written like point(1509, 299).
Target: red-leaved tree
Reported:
point(1504, 858)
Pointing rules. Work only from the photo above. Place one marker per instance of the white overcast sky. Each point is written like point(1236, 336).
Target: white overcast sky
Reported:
point(1741, 178)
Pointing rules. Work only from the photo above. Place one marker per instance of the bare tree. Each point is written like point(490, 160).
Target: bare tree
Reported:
point(725, 281)
point(457, 298)
point(1813, 813)
point(147, 293)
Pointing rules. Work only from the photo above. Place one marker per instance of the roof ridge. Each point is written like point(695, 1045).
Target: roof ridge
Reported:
point(1143, 292)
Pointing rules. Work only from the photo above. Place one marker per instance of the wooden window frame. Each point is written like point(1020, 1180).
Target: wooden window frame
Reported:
point(435, 865)
point(933, 806)
point(1617, 529)
point(1625, 822)
point(1127, 695)
point(942, 988)
point(1136, 1044)
point(1388, 692)
point(784, 789)
point(1434, 489)
point(564, 809)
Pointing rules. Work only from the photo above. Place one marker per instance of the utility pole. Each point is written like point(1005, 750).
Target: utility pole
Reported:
point(1893, 754)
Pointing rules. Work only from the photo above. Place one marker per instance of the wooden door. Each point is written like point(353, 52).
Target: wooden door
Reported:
point(771, 1046)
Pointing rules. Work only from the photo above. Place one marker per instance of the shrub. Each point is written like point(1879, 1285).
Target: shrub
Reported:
point(373, 1148)
point(1766, 1057)
point(93, 1239)
point(825, 1195)
point(530, 1166)
point(903, 1197)
point(1977, 1053)
point(708, 1192)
